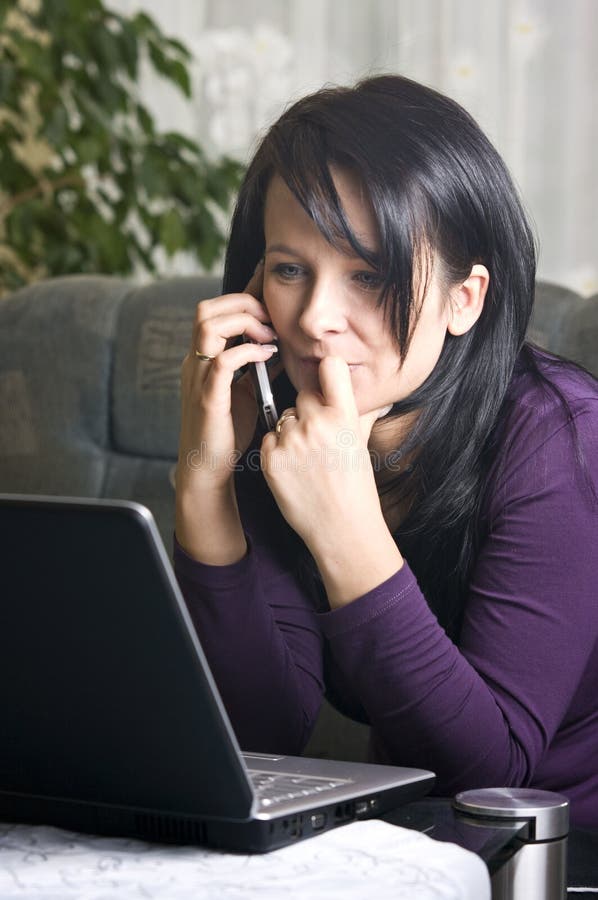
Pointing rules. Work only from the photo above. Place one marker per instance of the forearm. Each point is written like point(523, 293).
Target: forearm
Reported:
point(426, 704)
point(263, 644)
point(208, 526)
point(354, 563)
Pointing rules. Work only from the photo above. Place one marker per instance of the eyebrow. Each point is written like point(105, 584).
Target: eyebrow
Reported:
point(284, 248)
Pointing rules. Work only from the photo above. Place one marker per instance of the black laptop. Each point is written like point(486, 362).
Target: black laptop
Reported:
point(111, 720)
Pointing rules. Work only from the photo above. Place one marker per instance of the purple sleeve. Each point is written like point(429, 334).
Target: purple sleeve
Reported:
point(486, 712)
point(515, 703)
point(261, 637)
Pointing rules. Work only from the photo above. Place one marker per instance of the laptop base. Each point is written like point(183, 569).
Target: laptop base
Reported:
point(258, 835)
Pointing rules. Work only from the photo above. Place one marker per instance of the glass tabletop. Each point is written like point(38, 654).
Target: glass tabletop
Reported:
point(493, 842)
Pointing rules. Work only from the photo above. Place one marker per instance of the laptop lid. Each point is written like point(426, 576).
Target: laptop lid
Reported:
point(105, 693)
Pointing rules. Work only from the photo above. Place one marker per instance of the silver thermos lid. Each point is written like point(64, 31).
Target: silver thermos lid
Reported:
point(546, 812)
point(536, 868)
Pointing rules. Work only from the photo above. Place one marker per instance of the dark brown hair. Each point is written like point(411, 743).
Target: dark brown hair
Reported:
point(434, 182)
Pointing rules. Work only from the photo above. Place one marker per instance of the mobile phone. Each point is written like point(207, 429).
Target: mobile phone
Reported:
point(266, 406)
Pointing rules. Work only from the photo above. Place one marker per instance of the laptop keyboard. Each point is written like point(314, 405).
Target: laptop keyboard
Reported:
point(276, 787)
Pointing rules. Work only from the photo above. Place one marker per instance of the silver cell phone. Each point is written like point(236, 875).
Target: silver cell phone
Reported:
point(263, 394)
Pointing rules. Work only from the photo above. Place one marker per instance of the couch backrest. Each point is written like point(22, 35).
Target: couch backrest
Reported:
point(566, 323)
point(89, 373)
point(89, 399)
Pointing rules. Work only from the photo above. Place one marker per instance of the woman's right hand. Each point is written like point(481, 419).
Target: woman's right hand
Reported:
point(218, 417)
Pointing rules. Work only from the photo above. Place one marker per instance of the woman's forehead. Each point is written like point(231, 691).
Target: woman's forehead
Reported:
point(283, 209)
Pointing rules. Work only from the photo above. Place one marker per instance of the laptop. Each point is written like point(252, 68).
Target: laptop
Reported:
point(111, 720)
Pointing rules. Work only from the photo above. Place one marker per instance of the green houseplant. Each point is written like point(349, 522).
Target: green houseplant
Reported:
point(87, 182)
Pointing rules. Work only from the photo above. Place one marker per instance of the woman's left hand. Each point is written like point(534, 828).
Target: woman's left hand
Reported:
point(320, 472)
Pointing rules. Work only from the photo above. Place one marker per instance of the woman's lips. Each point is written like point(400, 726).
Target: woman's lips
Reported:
point(312, 363)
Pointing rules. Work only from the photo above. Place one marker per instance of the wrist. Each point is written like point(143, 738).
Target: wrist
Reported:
point(208, 526)
point(357, 564)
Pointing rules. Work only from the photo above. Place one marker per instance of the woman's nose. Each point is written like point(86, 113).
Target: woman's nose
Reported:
point(323, 310)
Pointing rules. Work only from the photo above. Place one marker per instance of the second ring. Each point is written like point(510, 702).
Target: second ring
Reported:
point(291, 414)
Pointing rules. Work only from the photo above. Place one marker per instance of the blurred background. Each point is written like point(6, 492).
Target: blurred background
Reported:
point(526, 69)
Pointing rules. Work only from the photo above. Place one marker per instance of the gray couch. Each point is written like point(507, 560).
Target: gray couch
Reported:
point(89, 371)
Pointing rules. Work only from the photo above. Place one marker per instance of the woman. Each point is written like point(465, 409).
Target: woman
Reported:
point(417, 536)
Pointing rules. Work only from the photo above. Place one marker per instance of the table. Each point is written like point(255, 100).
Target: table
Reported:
point(360, 860)
point(436, 817)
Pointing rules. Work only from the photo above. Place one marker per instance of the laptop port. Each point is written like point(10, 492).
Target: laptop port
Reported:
point(293, 827)
point(362, 808)
point(318, 821)
point(343, 812)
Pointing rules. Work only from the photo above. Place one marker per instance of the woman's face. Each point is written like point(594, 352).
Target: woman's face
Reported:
point(323, 302)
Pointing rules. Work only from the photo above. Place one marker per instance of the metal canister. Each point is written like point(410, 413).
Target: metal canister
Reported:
point(537, 867)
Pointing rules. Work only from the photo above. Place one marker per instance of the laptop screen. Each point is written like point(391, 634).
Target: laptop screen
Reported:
point(104, 690)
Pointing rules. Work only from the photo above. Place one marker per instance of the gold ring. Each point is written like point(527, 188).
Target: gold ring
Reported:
point(283, 419)
point(203, 357)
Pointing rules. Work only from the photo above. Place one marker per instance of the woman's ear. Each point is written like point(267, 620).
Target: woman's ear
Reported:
point(467, 300)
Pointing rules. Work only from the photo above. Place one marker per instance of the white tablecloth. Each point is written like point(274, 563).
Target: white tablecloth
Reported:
point(361, 860)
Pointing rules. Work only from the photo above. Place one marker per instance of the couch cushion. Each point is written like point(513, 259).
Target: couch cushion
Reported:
point(55, 361)
point(566, 323)
point(582, 334)
point(552, 308)
point(154, 331)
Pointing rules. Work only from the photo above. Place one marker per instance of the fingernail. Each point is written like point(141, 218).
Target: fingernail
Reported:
point(271, 347)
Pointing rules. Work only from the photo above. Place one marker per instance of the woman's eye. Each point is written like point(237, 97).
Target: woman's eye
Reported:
point(368, 280)
point(288, 271)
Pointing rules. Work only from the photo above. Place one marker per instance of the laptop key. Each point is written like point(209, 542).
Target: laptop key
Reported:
point(274, 788)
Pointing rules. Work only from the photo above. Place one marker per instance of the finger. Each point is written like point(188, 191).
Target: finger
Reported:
point(216, 382)
point(308, 403)
point(210, 335)
point(234, 358)
point(230, 303)
point(268, 447)
point(286, 421)
point(336, 385)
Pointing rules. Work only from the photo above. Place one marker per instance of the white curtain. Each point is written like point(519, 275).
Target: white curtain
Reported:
point(526, 69)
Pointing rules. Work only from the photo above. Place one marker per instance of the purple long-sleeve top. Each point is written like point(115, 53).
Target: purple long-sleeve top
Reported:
point(515, 702)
